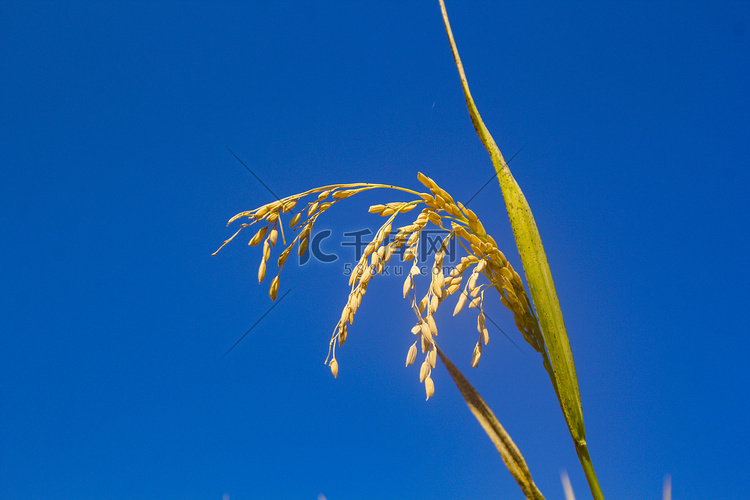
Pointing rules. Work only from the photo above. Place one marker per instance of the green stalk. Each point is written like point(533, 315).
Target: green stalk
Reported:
point(558, 358)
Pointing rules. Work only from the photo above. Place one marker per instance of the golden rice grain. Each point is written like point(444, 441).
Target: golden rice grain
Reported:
point(354, 303)
point(342, 334)
point(482, 329)
point(435, 219)
point(266, 250)
point(470, 215)
point(429, 387)
point(344, 315)
point(289, 205)
point(407, 286)
point(295, 219)
point(302, 247)
point(272, 237)
point(402, 206)
point(424, 371)
point(262, 271)
point(312, 208)
point(453, 287)
point(366, 275)
point(381, 267)
point(506, 303)
point(435, 287)
point(412, 239)
point(355, 274)
point(434, 302)
point(431, 323)
point(476, 355)
point(452, 210)
point(370, 247)
point(460, 304)
point(444, 195)
point(429, 183)
point(261, 212)
point(411, 356)
point(426, 333)
point(283, 256)
point(306, 230)
point(507, 273)
point(423, 304)
point(439, 201)
point(340, 195)
point(472, 281)
point(258, 236)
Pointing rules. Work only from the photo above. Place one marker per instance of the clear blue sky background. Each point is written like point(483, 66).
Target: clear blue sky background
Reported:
point(632, 124)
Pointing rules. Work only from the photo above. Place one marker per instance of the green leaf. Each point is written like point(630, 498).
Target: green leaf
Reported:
point(558, 357)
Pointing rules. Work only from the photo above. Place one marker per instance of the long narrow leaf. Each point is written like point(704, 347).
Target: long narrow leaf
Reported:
point(491, 425)
point(559, 357)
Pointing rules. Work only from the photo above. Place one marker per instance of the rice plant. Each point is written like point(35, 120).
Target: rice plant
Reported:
point(537, 314)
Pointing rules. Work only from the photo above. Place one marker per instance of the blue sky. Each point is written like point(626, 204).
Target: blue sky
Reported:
point(630, 124)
